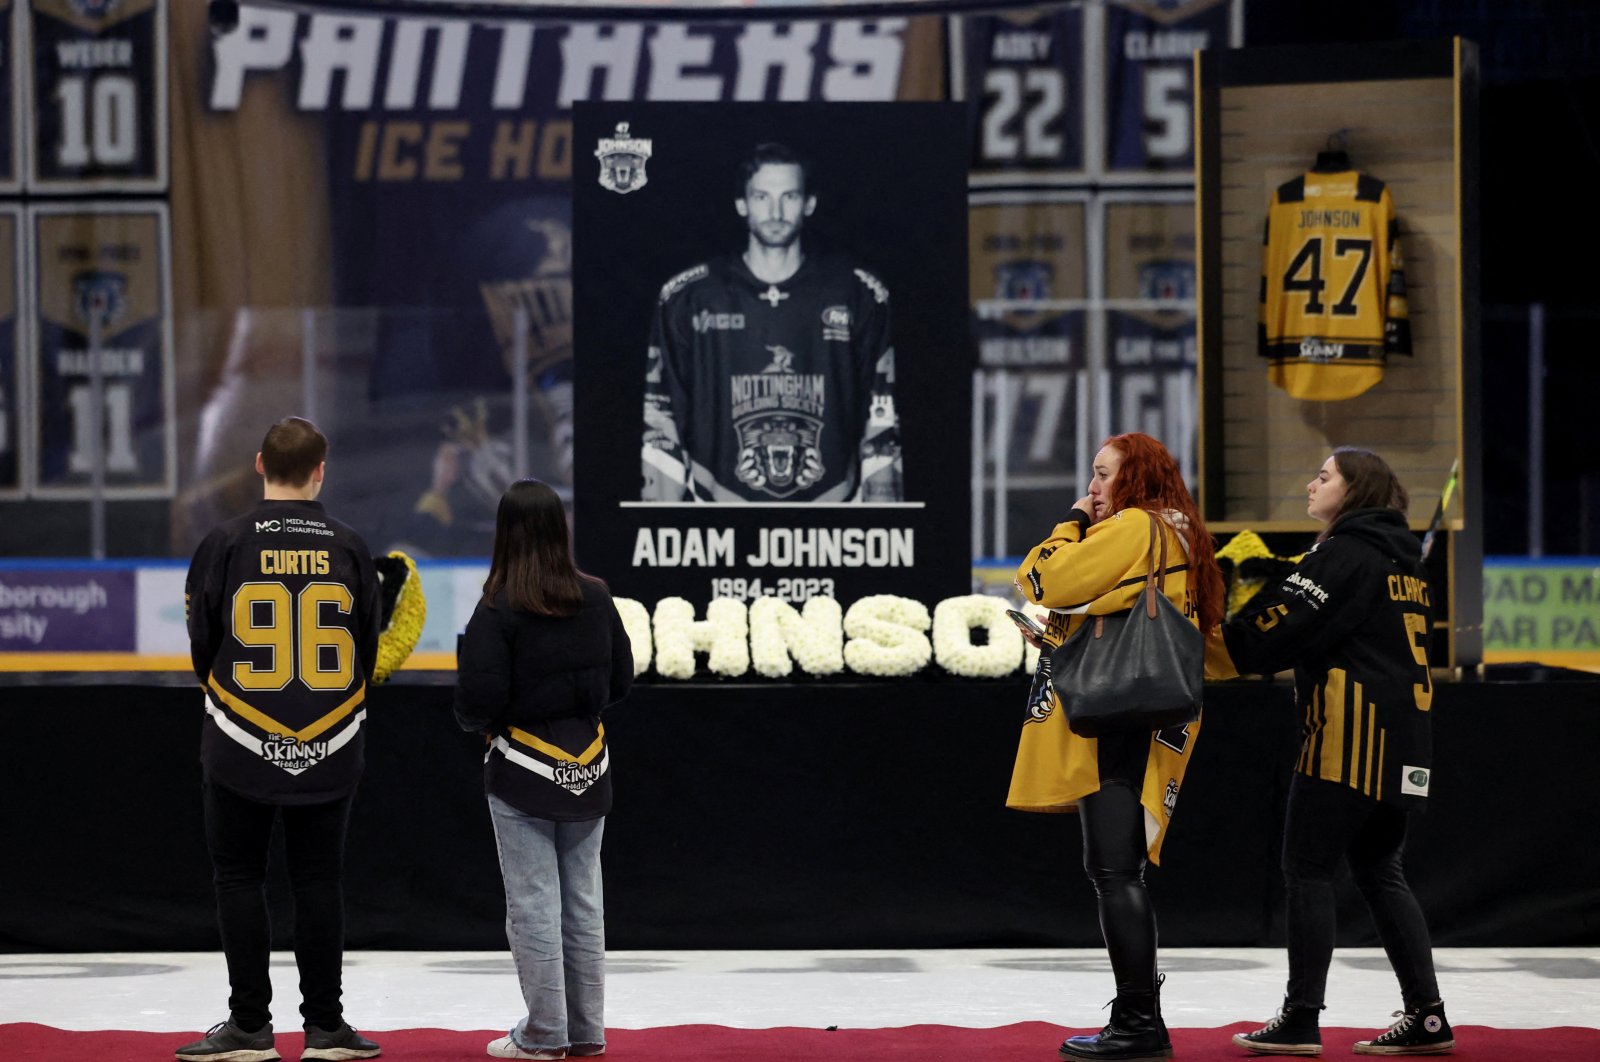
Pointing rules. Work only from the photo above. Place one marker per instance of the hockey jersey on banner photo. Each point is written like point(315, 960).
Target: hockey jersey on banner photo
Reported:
point(1333, 302)
point(771, 392)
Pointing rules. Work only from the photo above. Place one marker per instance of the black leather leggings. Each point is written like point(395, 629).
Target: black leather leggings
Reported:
point(1114, 858)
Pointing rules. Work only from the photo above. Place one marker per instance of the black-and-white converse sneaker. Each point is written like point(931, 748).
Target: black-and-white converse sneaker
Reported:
point(1420, 1030)
point(1293, 1031)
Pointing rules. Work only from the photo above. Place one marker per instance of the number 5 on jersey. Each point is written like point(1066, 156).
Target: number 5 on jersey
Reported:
point(1417, 629)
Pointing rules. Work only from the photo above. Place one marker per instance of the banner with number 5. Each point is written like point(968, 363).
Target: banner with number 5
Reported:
point(105, 263)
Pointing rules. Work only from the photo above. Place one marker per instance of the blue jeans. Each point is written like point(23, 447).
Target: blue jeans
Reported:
point(555, 923)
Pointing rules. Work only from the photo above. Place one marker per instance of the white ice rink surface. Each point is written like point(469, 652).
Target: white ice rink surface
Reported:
point(167, 992)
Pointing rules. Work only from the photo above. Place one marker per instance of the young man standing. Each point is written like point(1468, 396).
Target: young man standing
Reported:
point(284, 614)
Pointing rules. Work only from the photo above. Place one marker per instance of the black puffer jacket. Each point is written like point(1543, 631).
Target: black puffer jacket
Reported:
point(536, 686)
point(1353, 619)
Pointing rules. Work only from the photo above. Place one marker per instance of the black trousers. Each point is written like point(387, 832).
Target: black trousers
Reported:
point(1328, 823)
point(1114, 857)
point(239, 833)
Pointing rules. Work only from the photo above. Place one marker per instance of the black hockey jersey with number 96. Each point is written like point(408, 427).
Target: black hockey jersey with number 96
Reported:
point(1333, 302)
point(284, 613)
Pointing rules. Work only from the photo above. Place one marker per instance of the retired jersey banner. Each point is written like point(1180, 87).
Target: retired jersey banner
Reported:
point(107, 261)
point(10, 99)
point(1029, 269)
point(1150, 323)
point(99, 76)
point(12, 385)
point(773, 366)
point(1149, 71)
point(1022, 75)
point(1029, 278)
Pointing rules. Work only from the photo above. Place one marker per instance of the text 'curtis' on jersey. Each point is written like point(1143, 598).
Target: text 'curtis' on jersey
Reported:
point(1333, 290)
point(284, 615)
point(759, 391)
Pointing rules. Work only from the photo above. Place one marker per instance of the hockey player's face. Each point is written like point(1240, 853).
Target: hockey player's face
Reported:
point(1107, 463)
point(1325, 493)
point(775, 204)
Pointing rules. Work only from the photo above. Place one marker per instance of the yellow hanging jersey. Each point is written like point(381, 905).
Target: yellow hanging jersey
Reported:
point(1333, 293)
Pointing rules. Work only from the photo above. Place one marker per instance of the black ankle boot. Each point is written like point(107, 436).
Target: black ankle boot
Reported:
point(1135, 1033)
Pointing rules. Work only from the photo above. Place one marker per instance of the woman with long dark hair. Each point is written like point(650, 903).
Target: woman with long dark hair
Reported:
point(1353, 620)
point(1123, 784)
point(543, 654)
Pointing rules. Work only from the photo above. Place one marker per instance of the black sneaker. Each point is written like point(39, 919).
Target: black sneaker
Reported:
point(226, 1042)
point(1419, 1031)
point(1293, 1031)
point(338, 1046)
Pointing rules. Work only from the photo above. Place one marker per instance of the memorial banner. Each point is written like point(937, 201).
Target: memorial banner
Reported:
point(773, 365)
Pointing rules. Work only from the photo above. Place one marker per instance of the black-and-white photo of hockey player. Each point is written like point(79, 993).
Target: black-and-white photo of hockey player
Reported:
point(770, 344)
point(770, 370)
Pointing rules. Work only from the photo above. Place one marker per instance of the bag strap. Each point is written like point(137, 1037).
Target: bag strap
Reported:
point(1152, 587)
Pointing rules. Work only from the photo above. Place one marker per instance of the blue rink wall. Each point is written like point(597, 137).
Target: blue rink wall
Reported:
point(1545, 610)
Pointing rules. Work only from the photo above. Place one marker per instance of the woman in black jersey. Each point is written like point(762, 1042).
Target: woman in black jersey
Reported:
point(1353, 621)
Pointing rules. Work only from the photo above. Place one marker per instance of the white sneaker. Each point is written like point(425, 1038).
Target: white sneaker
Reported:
point(506, 1047)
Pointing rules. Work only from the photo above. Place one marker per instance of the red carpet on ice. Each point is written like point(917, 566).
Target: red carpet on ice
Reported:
point(26, 1042)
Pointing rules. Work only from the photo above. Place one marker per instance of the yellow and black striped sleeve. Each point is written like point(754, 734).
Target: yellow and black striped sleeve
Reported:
point(1396, 309)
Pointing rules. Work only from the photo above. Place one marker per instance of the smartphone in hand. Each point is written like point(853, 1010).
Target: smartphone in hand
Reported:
point(1026, 622)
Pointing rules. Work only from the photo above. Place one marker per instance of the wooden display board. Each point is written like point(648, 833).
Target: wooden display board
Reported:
point(1406, 112)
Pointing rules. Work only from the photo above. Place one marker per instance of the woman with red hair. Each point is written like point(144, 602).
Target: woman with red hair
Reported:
point(1123, 784)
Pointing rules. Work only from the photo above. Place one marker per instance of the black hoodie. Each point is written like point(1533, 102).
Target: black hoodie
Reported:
point(1353, 620)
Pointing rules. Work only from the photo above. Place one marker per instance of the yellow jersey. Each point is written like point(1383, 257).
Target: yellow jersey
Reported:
point(1085, 570)
point(1333, 302)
